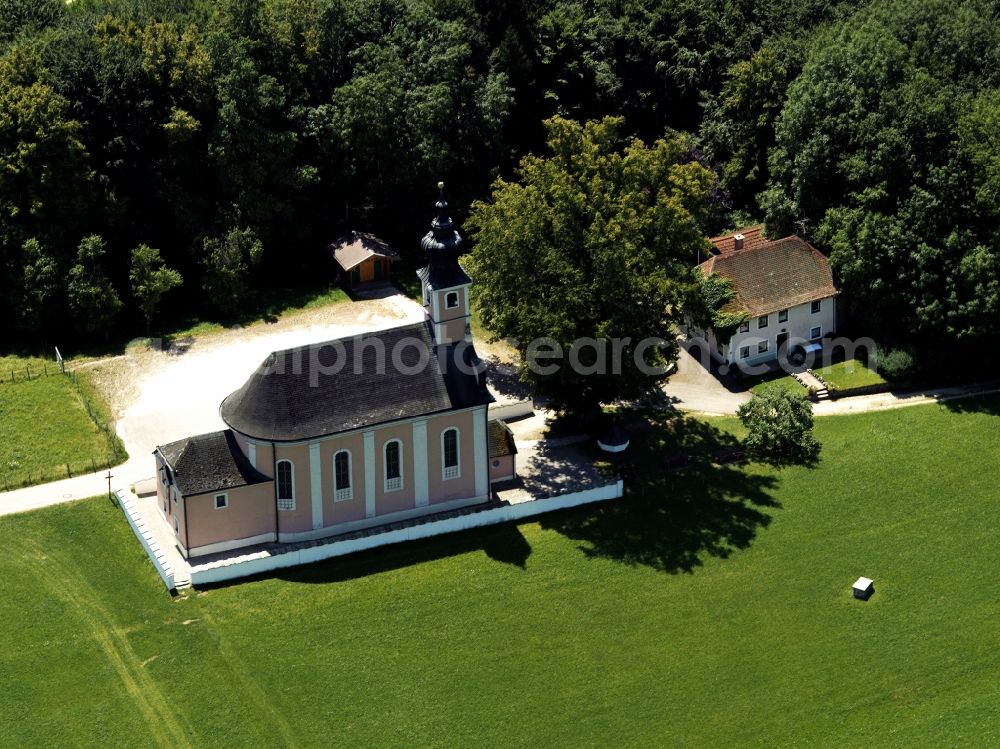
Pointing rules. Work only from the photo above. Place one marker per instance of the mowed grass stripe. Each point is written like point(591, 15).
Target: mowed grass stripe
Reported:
point(65, 582)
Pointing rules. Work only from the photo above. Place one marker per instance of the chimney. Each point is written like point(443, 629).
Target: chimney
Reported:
point(738, 242)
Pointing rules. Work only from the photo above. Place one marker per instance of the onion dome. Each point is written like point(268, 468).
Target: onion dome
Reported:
point(442, 243)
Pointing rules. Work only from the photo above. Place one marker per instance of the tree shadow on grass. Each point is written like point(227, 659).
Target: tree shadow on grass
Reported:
point(981, 404)
point(502, 543)
point(672, 521)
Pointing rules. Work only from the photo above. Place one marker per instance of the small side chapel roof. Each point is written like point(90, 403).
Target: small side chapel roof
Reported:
point(501, 440)
point(209, 463)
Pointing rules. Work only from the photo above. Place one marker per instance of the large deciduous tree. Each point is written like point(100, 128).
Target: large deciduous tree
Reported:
point(92, 298)
point(227, 263)
point(151, 279)
point(597, 240)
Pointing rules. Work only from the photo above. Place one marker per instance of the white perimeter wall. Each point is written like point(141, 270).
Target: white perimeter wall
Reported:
point(253, 564)
point(138, 525)
point(512, 410)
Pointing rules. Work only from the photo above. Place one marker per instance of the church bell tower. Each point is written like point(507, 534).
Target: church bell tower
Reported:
point(444, 282)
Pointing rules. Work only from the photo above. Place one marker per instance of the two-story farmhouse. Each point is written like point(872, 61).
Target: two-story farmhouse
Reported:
point(784, 287)
point(346, 434)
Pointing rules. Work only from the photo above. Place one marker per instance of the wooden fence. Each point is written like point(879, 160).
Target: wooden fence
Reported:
point(114, 455)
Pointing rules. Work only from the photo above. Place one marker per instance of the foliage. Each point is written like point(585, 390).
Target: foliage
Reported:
point(716, 293)
point(881, 148)
point(779, 427)
point(227, 263)
point(739, 130)
point(896, 365)
point(26, 17)
point(594, 241)
point(668, 588)
point(163, 123)
point(92, 298)
point(151, 279)
point(42, 286)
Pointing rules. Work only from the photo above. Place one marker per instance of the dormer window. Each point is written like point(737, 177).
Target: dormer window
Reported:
point(451, 300)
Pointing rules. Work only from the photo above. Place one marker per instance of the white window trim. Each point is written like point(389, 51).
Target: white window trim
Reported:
point(782, 312)
point(215, 501)
point(762, 347)
point(763, 321)
point(819, 334)
point(285, 503)
point(394, 484)
point(342, 495)
point(447, 299)
point(744, 352)
point(816, 306)
point(455, 471)
point(745, 326)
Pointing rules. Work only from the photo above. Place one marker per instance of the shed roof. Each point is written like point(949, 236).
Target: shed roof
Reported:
point(770, 276)
point(501, 440)
point(208, 463)
point(357, 246)
point(349, 383)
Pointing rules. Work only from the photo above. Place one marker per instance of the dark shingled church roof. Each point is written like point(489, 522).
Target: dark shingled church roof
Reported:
point(444, 276)
point(209, 463)
point(501, 440)
point(345, 384)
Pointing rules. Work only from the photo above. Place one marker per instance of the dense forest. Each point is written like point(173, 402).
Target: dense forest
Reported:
point(199, 150)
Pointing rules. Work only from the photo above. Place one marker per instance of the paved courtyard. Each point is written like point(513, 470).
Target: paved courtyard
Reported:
point(695, 387)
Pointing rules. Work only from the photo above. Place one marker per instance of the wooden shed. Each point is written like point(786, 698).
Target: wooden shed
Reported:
point(362, 259)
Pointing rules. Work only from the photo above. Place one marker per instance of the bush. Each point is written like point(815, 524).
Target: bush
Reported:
point(780, 427)
point(896, 365)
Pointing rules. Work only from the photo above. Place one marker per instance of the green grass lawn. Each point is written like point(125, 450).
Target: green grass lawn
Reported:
point(849, 374)
point(709, 608)
point(45, 426)
point(779, 379)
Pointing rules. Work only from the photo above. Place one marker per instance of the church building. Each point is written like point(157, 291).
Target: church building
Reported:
point(346, 434)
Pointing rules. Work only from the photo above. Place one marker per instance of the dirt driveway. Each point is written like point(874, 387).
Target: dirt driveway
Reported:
point(160, 396)
point(693, 387)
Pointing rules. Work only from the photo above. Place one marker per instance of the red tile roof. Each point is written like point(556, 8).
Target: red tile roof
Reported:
point(770, 276)
point(753, 237)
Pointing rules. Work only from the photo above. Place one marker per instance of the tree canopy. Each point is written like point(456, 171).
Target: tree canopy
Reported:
point(779, 427)
point(887, 147)
point(173, 123)
point(595, 241)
